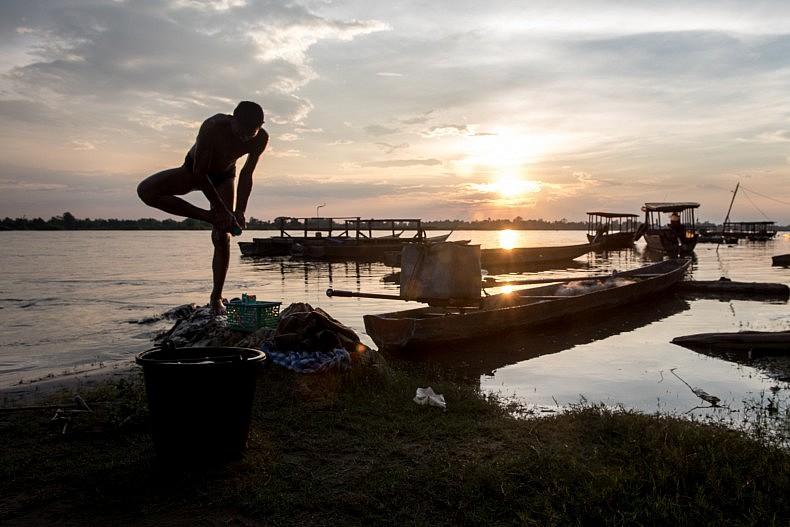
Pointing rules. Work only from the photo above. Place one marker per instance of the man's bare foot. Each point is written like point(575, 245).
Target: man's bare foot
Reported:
point(217, 308)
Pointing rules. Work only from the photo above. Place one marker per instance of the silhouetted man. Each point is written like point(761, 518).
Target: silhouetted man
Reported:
point(210, 167)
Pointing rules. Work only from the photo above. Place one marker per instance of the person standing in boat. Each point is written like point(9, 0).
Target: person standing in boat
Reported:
point(677, 228)
point(210, 167)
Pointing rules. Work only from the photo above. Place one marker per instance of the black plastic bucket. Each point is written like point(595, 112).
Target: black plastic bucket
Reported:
point(200, 401)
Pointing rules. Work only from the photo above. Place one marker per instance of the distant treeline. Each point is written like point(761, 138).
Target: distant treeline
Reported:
point(67, 222)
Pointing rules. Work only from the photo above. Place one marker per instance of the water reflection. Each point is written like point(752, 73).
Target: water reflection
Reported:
point(475, 359)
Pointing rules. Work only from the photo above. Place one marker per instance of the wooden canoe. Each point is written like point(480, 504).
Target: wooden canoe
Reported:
point(777, 341)
point(727, 289)
point(781, 260)
point(533, 255)
point(496, 315)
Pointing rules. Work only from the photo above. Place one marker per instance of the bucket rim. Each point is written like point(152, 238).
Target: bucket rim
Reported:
point(205, 356)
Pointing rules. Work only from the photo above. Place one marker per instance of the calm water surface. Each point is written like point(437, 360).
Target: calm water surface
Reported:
point(70, 299)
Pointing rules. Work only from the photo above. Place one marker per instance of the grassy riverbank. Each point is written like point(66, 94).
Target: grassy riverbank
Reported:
point(354, 449)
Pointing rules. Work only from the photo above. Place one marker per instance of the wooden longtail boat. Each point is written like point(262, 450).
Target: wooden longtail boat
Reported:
point(533, 255)
point(613, 230)
point(496, 315)
point(675, 235)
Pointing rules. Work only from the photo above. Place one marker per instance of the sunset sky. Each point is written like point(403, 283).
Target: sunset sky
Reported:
point(444, 109)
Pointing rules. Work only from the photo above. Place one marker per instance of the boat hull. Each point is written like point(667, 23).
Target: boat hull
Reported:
point(781, 260)
point(274, 246)
point(664, 241)
point(363, 249)
point(430, 327)
point(613, 241)
point(533, 255)
point(778, 341)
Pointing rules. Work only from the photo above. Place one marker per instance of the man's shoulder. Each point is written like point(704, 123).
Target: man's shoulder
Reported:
point(219, 119)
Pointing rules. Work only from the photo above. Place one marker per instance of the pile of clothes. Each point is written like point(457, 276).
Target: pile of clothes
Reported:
point(309, 340)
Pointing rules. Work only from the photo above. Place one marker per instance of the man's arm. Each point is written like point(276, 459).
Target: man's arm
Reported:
point(203, 154)
point(244, 188)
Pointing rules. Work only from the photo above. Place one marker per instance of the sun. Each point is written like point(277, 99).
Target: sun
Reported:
point(511, 187)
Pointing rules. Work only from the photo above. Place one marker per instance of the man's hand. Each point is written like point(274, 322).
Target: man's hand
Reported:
point(240, 219)
point(223, 220)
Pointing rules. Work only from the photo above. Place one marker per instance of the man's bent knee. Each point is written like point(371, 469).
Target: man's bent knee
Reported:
point(146, 193)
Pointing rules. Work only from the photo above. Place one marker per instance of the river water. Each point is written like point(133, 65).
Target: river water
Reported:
point(76, 299)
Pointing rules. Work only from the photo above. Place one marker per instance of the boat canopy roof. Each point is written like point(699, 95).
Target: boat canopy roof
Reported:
point(614, 214)
point(670, 207)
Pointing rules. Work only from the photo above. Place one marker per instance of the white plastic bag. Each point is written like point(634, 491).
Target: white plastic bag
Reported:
point(429, 397)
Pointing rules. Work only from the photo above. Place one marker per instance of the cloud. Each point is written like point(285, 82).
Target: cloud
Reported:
point(601, 102)
point(10, 186)
point(401, 163)
point(390, 148)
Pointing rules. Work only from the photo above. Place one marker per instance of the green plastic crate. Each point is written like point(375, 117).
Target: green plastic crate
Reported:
point(251, 315)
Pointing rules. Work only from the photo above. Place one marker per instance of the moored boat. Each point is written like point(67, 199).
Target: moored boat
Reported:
point(533, 255)
point(613, 230)
point(754, 231)
point(424, 328)
point(778, 341)
point(337, 238)
point(365, 249)
point(781, 260)
point(712, 236)
point(677, 234)
point(272, 246)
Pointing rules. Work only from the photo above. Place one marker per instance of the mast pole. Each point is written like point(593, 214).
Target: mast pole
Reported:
point(728, 215)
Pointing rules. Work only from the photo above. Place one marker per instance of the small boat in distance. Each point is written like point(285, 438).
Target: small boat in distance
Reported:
point(434, 326)
point(613, 230)
point(519, 256)
point(706, 235)
point(754, 231)
point(670, 227)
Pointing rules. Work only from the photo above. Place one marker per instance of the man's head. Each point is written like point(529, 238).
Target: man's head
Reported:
point(249, 118)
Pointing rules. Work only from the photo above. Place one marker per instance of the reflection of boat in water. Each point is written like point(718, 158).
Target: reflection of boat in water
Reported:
point(473, 358)
point(499, 258)
point(760, 349)
point(613, 230)
point(678, 235)
point(498, 315)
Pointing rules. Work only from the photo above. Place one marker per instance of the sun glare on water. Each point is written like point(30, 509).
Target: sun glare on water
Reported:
point(507, 239)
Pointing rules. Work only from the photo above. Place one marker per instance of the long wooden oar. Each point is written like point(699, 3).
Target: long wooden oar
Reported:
point(446, 302)
point(339, 292)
